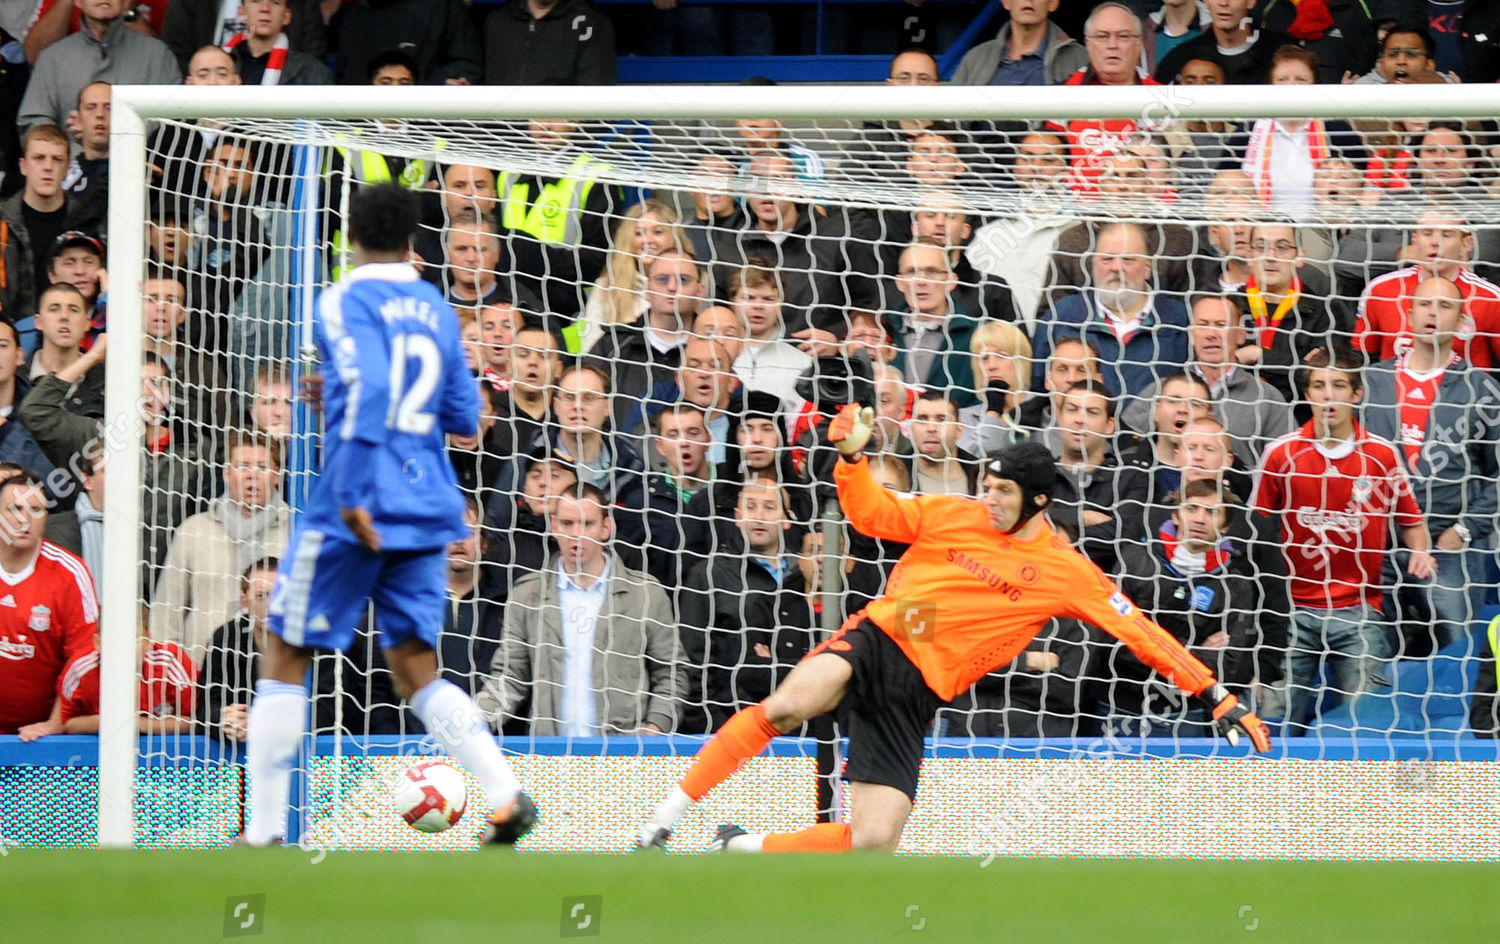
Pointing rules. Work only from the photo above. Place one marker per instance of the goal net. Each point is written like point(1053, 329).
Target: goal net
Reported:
point(1257, 327)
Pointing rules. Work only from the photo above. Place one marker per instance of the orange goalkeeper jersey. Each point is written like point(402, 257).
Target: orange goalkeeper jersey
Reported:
point(965, 599)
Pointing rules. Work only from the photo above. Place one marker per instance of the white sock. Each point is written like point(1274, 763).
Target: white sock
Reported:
point(750, 842)
point(278, 719)
point(454, 721)
point(670, 808)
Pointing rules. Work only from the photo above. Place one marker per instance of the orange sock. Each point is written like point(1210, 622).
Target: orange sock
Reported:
point(743, 736)
point(824, 837)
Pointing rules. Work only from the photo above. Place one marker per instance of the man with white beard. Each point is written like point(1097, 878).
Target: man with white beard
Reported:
point(1141, 334)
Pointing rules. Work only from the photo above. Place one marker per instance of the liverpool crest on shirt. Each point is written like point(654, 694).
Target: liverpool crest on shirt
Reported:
point(41, 619)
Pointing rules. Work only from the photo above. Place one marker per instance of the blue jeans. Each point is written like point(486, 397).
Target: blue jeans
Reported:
point(1355, 641)
point(1455, 596)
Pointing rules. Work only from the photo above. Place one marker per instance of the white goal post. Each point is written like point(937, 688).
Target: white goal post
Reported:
point(134, 108)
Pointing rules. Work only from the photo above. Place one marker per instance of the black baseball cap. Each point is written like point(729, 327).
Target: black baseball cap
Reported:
point(76, 239)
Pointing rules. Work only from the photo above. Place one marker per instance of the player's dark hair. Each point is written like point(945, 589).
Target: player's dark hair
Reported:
point(1415, 29)
point(394, 57)
point(383, 218)
point(1341, 359)
point(769, 482)
point(265, 563)
point(1094, 388)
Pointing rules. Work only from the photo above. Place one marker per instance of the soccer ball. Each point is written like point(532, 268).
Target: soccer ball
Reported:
point(431, 796)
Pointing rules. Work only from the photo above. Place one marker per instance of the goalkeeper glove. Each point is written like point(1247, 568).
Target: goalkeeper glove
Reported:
point(1233, 718)
point(851, 430)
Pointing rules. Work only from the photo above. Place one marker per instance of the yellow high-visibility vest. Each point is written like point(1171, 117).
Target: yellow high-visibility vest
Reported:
point(371, 167)
point(555, 216)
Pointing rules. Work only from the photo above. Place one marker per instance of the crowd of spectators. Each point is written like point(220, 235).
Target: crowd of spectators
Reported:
point(1277, 425)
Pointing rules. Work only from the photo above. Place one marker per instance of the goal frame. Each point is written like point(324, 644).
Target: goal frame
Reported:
point(134, 106)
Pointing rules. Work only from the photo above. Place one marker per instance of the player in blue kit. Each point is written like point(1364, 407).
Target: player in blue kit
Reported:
point(379, 519)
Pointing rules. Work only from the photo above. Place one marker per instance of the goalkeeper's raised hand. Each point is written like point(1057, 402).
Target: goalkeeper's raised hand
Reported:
point(851, 429)
point(1234, 719)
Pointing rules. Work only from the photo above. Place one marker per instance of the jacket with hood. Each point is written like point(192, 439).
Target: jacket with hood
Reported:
point(126, 57)
point(437, 33)
point(573, 44)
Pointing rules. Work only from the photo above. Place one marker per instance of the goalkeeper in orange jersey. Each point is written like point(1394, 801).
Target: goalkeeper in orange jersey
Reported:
point(978, 581)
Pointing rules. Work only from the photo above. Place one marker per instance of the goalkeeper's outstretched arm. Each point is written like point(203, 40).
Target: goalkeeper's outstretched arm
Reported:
point(1102, 603)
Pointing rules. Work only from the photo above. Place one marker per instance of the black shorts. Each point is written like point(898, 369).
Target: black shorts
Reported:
point(888, 708)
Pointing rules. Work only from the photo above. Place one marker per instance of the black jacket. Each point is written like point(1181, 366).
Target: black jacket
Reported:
point(190, 24)
point(825, 259)
point(667, 526)
point(439, 33)
point(1251, 67)
point(513, 552)
point(635, 368)
point(20, 260)
point(231, 666)
point(300, 68)
point(1230, 600)
point(468, 641)
point(1484, 709)
point(729, 605)
point(625, 490)
point(1347, 46)
point(1119, 487)
point(1015, 701)
point(1307, 326)
point(574, 44)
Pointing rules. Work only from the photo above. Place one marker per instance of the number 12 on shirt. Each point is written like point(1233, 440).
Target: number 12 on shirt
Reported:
point(411, 392)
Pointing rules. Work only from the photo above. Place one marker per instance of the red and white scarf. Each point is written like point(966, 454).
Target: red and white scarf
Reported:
point(1258, 152)
point(274, 64)
point(1185, 562)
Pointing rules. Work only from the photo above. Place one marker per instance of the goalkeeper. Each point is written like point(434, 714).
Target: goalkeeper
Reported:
point(980, 578)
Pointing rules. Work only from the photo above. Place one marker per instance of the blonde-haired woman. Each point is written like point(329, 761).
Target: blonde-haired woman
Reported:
point(1002, 356)
point(619, 296)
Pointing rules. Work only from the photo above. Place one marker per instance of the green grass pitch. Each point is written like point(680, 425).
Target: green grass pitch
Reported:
point(118, 897)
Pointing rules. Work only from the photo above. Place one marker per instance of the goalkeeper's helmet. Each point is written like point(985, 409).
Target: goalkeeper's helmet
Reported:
point(1031, 466)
